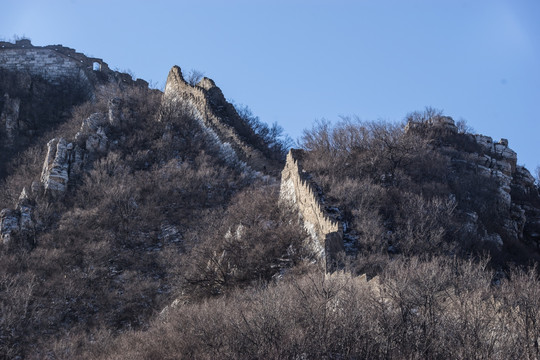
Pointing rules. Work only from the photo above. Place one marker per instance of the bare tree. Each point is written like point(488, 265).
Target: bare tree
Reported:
point(194, 77)
point(463, 127)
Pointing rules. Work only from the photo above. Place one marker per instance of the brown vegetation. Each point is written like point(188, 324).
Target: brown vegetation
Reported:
point(405, 192)
point(429, 310)
point(135, 228)
point(165, 248)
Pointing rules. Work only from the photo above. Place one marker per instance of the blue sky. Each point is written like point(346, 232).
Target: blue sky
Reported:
point(296, 61)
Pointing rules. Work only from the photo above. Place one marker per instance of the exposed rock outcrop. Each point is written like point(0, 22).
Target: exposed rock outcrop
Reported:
point(116, 117)
point(494, 160)
point(18, 223)
point(92, 135)
point(54, 175)
point(442, 124)
point(64, 161)
point(9, 225)
point(297, 190)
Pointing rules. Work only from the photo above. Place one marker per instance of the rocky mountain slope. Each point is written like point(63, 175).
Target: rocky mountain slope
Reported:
point(142, 224)
point(516, 196)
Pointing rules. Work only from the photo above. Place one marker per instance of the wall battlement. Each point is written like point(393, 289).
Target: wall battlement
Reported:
point(57, 62)
point(297, 190)
point(217, 114)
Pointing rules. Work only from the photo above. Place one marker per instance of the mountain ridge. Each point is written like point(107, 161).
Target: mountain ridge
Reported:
point(130, 214)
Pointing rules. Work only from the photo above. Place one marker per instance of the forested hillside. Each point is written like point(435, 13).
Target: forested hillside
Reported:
point(140, 224)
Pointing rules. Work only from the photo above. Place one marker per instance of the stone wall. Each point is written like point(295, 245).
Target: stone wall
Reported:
point(44, 62)
point(53, 62)
point(299, 191)
point(57, 62)
point(217, 114)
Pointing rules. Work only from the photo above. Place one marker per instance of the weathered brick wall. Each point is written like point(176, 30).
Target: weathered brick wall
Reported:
point(53, 62)
point(216, 113)
point(326, 233)
point(47, 63)
point(57, 62)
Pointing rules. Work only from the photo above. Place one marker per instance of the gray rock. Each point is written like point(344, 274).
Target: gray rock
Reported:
point(25, 208)
point(10, 116)
point(76, 162)
point(97, 142)
point(9, 225)
point(54, 175)
point(445, 122)
point(508, 157)
point(92, 123)
point(37, 188)
point(17, 223)
point(494, 238)
point(64, 161)
point(116, 117)
point(484, 141)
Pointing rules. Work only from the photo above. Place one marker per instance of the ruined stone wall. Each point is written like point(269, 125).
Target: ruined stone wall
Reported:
point(57, 62)
point(217, 114)
point(52, 62)
point(296, 189)
point(44, 62)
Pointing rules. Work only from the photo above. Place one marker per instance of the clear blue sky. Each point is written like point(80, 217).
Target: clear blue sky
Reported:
point(296, 61)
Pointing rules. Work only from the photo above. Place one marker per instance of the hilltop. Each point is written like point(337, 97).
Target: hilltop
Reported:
point(144, 224)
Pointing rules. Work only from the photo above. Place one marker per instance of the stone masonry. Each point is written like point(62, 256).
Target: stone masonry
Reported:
point(296, 189)
point(217, 114)
point(57, 62)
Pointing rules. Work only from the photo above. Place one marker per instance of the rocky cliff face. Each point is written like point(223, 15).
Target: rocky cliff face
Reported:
point(517, 198)
point(64, 162)
point(18, 223)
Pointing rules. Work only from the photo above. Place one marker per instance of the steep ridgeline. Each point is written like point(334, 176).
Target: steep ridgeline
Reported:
point(300, 192)
point(517, 199)
point(56, 62)
point(218, 116)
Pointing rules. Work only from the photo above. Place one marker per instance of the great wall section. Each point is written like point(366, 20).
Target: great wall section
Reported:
point(326, 234)
point(56, 62)
point(300, 192)
point(216, 114)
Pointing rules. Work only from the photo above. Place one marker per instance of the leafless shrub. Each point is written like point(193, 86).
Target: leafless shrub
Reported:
point(428, 114)
point(194, 77)
point(416, 309)
point(463, 127)
point(252, 241)
point(422, 225)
